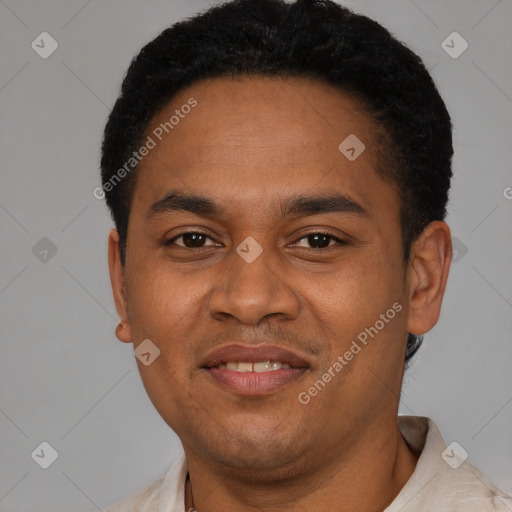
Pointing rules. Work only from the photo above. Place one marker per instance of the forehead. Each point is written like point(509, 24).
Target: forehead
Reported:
point(251, 138)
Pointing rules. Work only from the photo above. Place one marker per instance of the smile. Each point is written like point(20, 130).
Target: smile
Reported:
point(259, 367)
point(254, 370)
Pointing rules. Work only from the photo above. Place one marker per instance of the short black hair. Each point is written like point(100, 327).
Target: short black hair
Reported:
point(314, 39)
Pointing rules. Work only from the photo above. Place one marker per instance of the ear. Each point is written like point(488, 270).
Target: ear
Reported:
point(431, 256)
point(117, 281)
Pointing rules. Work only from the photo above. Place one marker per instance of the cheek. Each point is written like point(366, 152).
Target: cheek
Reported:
point(159, 300)
point(166, 314)
point(347, 308)
point(167, 309)
point(358, 291)
point(165, 389)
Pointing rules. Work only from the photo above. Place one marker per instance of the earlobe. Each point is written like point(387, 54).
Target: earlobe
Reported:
point(428, 273)
point(117, 281)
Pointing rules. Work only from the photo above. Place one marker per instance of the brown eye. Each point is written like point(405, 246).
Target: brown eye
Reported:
point(191, 240)
point(319, 240)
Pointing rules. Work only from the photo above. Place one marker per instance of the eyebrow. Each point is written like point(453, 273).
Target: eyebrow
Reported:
point(301, 205)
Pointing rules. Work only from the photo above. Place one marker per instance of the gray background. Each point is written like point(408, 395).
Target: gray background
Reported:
point(64, 377)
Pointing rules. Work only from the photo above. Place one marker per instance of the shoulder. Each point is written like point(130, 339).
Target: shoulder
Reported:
point(468, 489)
point(145, 500)
point(444, 480)
point(168, 492)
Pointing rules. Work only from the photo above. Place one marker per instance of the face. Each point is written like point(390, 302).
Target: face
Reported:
point(258, 256)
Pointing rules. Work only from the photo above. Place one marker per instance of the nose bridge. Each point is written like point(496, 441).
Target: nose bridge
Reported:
point(254, 272)
point(251, 288)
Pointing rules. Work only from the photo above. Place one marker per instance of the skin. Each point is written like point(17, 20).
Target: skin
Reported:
point(250, 144)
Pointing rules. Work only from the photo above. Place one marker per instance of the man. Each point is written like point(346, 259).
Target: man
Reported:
point(278, 175)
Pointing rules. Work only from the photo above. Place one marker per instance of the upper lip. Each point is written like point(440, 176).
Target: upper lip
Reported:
point(252, 354)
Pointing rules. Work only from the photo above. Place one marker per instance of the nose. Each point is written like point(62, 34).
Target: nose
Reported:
point(251, 292)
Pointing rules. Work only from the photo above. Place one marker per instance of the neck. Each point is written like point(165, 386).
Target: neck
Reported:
point(368, 476)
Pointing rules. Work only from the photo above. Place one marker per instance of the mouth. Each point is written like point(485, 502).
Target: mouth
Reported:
point(254, 370)
point(258, 367)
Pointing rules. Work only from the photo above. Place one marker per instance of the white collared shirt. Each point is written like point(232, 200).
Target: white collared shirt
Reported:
point(441, 481)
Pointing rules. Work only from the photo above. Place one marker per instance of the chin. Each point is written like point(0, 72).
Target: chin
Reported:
point(264, 450)
point(262, 467)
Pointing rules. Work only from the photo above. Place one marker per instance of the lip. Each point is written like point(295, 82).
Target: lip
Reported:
point(254, 383)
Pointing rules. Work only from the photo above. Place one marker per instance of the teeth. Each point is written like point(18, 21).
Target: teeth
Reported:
point(259, 367)
point(244, 367)
point(263, 366)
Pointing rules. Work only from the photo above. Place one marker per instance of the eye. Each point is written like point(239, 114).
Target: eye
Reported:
point(191, 240)
point(319, 240)
point(198, 240)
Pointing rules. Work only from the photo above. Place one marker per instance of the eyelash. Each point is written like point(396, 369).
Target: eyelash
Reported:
point(339, 241)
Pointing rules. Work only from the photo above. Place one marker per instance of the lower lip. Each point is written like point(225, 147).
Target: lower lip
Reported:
point(255, 383)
